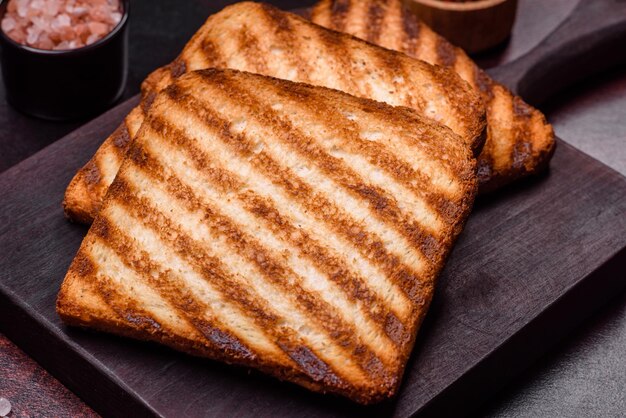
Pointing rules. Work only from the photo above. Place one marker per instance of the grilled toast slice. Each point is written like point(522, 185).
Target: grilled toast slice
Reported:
point(262, 39)
point(519, 140)
point(276, 225)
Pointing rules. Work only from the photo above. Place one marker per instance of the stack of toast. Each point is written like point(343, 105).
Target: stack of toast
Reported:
point(285, 195)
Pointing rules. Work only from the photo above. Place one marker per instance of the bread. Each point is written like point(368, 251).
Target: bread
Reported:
point(519, 140)
point(262, 39)
point(276, 225)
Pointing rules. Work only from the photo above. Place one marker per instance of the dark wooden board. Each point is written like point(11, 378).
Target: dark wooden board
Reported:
point(528, 262)
point(531, 264)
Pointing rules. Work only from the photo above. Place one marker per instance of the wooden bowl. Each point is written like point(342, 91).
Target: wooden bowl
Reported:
point(473, 25)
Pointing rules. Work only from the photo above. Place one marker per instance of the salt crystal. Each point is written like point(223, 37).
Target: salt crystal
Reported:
point(51, 8)
point(36, 4)
point(115, 18)
point(91, 39)
point(98, 28)
point(99, 13)
point(79, 11)
point(64, 20)
point(32, 35)
point(5, 407)
point(67, 33)
point(8, 24)
point(82, 31)
point(45, 42)
point(62, 45)
point(55, 37)
point(18, 35)
point(39, 23)
point(22, 7)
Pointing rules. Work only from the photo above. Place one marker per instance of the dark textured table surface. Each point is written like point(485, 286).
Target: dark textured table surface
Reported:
point(584, 376)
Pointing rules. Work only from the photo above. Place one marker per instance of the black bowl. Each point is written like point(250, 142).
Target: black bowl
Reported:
point(66, 84)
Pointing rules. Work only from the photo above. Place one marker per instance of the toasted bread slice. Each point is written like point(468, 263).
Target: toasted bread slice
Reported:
point(519, 140)
point(261, 39)
point(276, 225)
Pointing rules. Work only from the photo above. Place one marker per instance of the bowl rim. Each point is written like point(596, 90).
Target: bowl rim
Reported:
point(466, 6)
point(75, 51)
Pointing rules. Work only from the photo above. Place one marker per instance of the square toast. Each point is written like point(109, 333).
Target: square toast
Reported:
point(275, 225)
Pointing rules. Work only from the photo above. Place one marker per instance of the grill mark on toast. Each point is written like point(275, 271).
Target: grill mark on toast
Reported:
point(338, 12)
point(411, 31)
point(212, 54)
point(147, 99)
point(91, 173)
point(375, 16)
point(484, 170)
point(484, 84)
point(391, 37)
point(521, 152)
point(178, 68)
point(254, 56)
point(334, 268)
point(312, 365)
point(284, 36)
point(243, 234)
point(121, 137)
point(446, 53)
point(322, 209)
point(521, 110)
point(194, 253)
point(383, 205)
point(344, 251)
point(386, 59)
point(333, 49)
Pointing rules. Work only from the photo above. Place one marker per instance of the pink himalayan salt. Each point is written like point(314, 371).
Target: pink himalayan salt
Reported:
point(60, 24)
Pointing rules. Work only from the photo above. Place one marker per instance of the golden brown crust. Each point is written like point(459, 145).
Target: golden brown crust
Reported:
point(261, 39)
point(297, 238)
point(519, 141)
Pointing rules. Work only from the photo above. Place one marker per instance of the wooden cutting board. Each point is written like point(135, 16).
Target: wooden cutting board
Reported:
point(532, 262)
